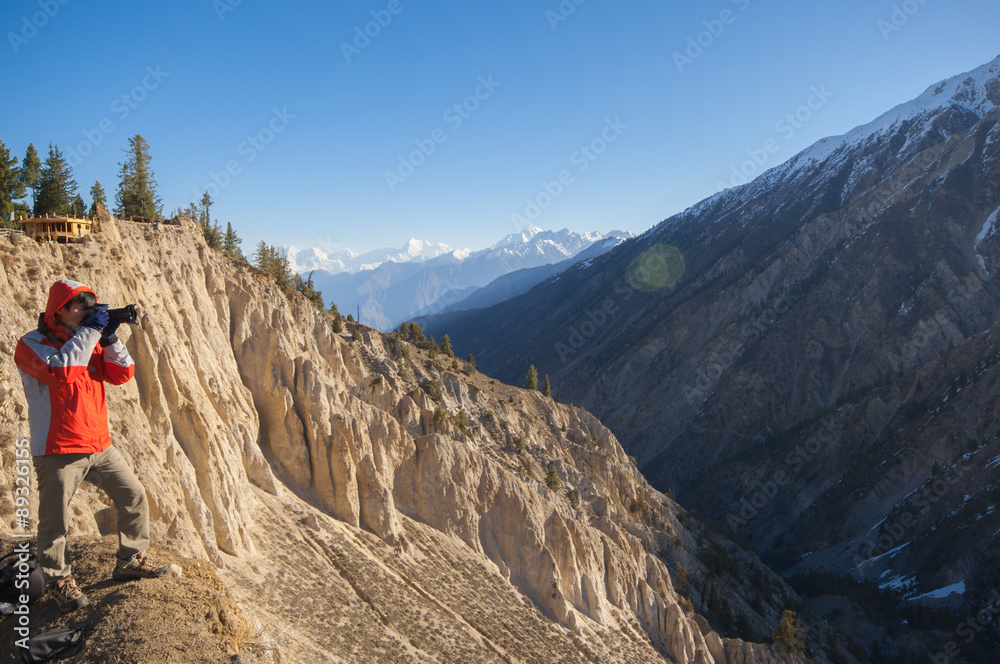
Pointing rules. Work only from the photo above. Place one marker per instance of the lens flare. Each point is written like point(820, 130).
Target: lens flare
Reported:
point(659, 267)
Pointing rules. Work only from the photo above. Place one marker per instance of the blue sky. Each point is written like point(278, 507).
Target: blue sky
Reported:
point(338, 139)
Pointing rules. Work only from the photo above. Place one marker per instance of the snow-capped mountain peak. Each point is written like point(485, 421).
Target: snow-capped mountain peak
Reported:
point(521, 237)
point(314, 258)
point(976, 91)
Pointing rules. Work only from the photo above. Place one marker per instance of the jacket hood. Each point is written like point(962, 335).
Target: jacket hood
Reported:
point(60, 293)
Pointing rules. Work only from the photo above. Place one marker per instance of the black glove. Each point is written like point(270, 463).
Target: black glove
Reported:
point(111, 328)
point(96, 318)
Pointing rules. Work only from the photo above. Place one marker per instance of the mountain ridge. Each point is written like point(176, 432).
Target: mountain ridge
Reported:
point(832, 317)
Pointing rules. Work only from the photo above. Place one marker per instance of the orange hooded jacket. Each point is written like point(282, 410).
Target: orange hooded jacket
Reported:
point(63, 374)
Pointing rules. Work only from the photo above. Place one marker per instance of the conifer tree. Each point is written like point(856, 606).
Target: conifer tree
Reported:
point(191, 211)
point(682, 585)
point(231, 243)
point(789, 636)
point(97, 195)
point(338, 320)
point(307, 288)
point(274, 263)
point(552, 478)
point(77, 208)
point(446, 346)
point(212, 232)
point(531, 379)
point(417, 335)
point(546, 388)
point(56, 186)
point(472, 361)
point(137, 185)
point(31, 172)
point(11, 187)
point(205, 216)
point(213, 235)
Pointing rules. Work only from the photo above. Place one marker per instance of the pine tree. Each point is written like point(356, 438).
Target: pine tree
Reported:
point(282, 271)
point(552, 478)
point(206, 205)
point(531, 379)
point(191, 211)
point(306, 287)
point(211, 232)
point(275, 263)
point(231, 243)
point(137, 186)
point(31, 172)
point(56, 186)
point(261, 256)
point(446, 346)
point(338, 320)
point(11, 187)
point(472, 361)
point(546, 388)
point(682, 585)
point(213, 235)
point(97, 195)
point(417, 335)
point(77, 208)
point(789, 636)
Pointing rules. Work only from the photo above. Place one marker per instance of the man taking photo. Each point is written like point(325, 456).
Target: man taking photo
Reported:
point(64, 365)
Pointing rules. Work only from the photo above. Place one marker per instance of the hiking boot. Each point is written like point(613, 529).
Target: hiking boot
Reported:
point(139, 567)
point(67, 594)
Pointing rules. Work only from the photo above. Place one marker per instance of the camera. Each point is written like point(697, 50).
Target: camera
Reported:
point(126, 314)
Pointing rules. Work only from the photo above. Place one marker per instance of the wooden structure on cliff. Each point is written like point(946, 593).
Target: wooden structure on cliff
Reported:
point(58, 227)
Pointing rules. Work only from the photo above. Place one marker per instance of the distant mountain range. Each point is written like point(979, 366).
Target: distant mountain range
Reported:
point(521, 281)
point(811, 359)
point(313, 258)
point(389, 286)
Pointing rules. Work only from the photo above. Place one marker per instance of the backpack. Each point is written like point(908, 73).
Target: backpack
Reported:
point(52, 645)
point(12, 587)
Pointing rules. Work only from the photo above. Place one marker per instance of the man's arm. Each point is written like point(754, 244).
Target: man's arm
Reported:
point(118, 365)
point(56, 366)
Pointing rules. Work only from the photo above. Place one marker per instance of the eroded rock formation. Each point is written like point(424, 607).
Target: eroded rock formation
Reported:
point(363, 502)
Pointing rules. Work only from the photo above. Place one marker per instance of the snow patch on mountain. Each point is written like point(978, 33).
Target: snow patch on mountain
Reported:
point(941, 593)
point(989, 228)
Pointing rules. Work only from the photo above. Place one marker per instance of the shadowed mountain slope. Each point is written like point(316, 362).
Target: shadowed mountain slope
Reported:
point(810, 359)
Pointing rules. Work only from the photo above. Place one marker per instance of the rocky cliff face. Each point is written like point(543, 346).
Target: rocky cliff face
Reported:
point(810, 358)
point(363, 502)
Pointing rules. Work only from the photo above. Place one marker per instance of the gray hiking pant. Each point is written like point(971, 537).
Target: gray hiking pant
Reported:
point(59, 476)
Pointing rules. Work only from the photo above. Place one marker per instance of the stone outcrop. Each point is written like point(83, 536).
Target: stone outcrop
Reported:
point(362, 501)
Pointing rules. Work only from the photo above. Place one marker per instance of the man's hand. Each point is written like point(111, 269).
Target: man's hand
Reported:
point(96, 318)
point(111, 328)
